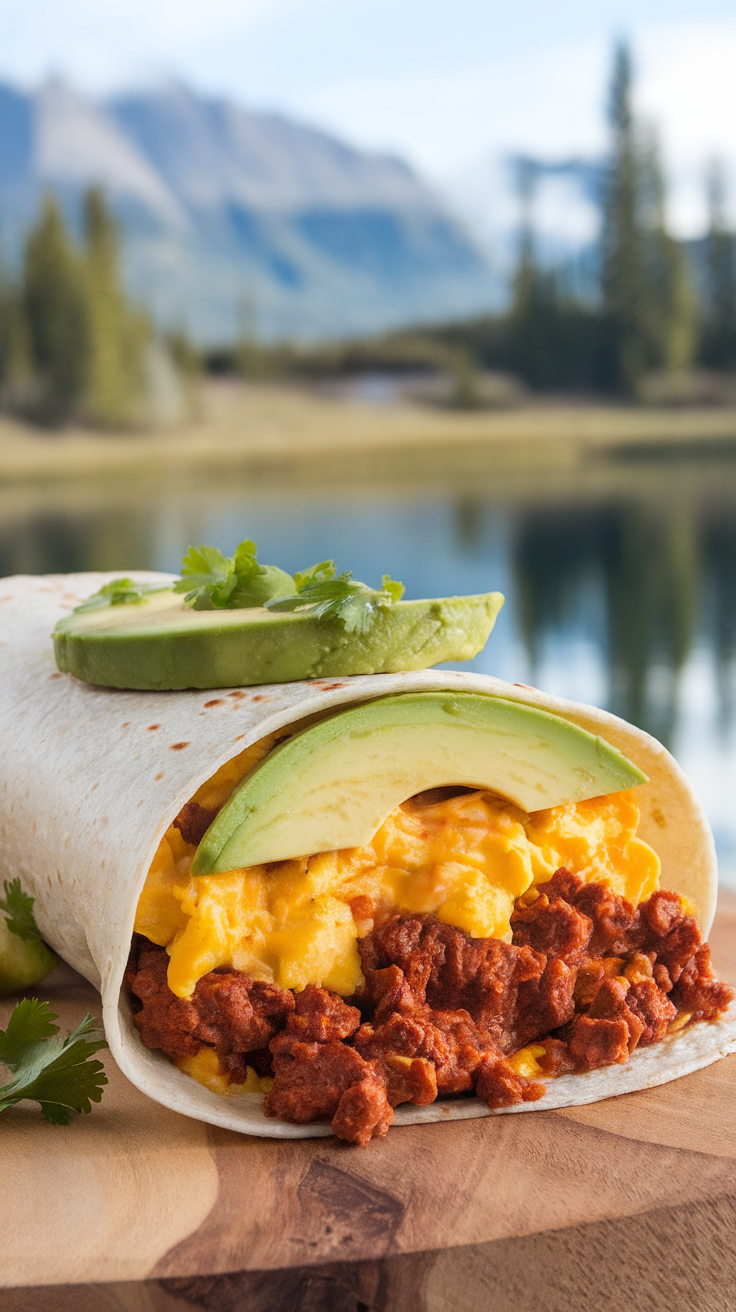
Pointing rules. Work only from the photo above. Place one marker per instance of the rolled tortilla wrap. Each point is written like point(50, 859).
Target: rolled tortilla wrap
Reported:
point(91, 779)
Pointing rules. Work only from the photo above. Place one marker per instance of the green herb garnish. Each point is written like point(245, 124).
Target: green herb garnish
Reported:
point(17, 907)
point(211, 581)
point(118, 592)
point(207, 577)
point(56, 1072)
point(326, 595)
point(315, 574)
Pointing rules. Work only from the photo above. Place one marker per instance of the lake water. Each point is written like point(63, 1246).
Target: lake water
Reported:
point(619, 574)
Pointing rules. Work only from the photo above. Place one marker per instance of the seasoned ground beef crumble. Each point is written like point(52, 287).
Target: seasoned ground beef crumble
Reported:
point(587, 977)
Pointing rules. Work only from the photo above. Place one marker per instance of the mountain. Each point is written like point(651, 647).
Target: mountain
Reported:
point(236, 219)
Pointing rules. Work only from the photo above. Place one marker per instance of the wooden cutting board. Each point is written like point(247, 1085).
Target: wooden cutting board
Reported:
point(135, 1192)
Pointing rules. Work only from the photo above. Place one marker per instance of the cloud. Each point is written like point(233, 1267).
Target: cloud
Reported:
point(103, 42)
point(546, 102)
point(449, 87)
point(688, 89)
point(551, 103)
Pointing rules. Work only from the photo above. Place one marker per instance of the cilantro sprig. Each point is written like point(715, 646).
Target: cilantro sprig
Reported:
point(207, 577)
point(212, 581)
point(17, 907)
point(327, 595)
point(118, 592)
point(57, 1072)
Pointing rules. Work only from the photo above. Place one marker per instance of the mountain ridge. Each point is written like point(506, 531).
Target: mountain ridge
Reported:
point(229, 213)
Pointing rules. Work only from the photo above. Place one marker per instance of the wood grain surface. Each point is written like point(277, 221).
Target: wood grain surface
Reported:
point(137, 1193)
point(669, 1260)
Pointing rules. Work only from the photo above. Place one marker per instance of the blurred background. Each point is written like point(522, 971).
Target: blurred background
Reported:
point(440, 290)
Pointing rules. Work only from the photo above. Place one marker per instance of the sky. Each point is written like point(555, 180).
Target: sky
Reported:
point(454, 86)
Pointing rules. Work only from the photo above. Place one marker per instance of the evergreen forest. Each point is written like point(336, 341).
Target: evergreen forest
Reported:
point(72, 347)
point(658, 325)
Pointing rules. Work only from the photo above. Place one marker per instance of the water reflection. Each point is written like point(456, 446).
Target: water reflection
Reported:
point(620, 578)
point(630, 576)
point(719, 556)
point(65, 540)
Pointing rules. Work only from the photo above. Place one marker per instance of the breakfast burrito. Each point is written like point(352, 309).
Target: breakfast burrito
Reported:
point(333, 905)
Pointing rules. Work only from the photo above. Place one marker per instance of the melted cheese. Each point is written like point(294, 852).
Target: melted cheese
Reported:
point(465, 859)
point(204, 1067)
point(525, 1063)
point(218, 788)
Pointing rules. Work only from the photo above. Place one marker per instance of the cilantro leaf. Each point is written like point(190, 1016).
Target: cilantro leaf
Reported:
point(203, 567)
point(340, 597)
point(30, 1023)
point(207, 578)
point(393, 589)
point(118, 592)
point(257, 584)
point(245, 563)
point(17, 907)
point(315, 574)
point(56, 1072)
point(211, 581)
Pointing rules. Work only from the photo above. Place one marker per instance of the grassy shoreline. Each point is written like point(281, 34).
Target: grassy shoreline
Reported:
point(260, 429)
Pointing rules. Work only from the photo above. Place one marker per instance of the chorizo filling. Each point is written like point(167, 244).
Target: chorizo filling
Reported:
point(469, 948)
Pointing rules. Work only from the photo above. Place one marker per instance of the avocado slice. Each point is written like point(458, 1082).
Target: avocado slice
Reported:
point(162, 644)
point(333, 785)
point(23, 962)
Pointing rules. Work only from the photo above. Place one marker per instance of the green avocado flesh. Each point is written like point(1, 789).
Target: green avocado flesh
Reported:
point(22, 962)
point(333, 785)
point(161, 644)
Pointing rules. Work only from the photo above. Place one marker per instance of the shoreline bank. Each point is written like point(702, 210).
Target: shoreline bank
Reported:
point(249, 428)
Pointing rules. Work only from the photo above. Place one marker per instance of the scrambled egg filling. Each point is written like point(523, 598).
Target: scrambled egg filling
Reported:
point(464, 859)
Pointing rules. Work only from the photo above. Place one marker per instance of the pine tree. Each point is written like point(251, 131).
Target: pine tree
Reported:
point(15, 359)
point(551, 340)
point(646, 288)
point(671, 317)
point(55, 309)
point(117, 336)
point(719, 311)
point(535, 302)
point(623, 254)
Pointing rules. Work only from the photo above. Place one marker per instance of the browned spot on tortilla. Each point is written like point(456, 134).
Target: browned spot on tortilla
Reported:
point(327, 687)
point(216, 701)
point(56, 676)
point(92, 789)
point(154, 726)
point(262, 698)
point(158, 776)
point(528, 687)
point(658, 818)
point(176, 747)
point(238, 737)
point(237, 693)
point(125, 724)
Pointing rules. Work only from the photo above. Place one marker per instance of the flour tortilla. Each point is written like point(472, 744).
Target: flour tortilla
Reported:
point(91, 779)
